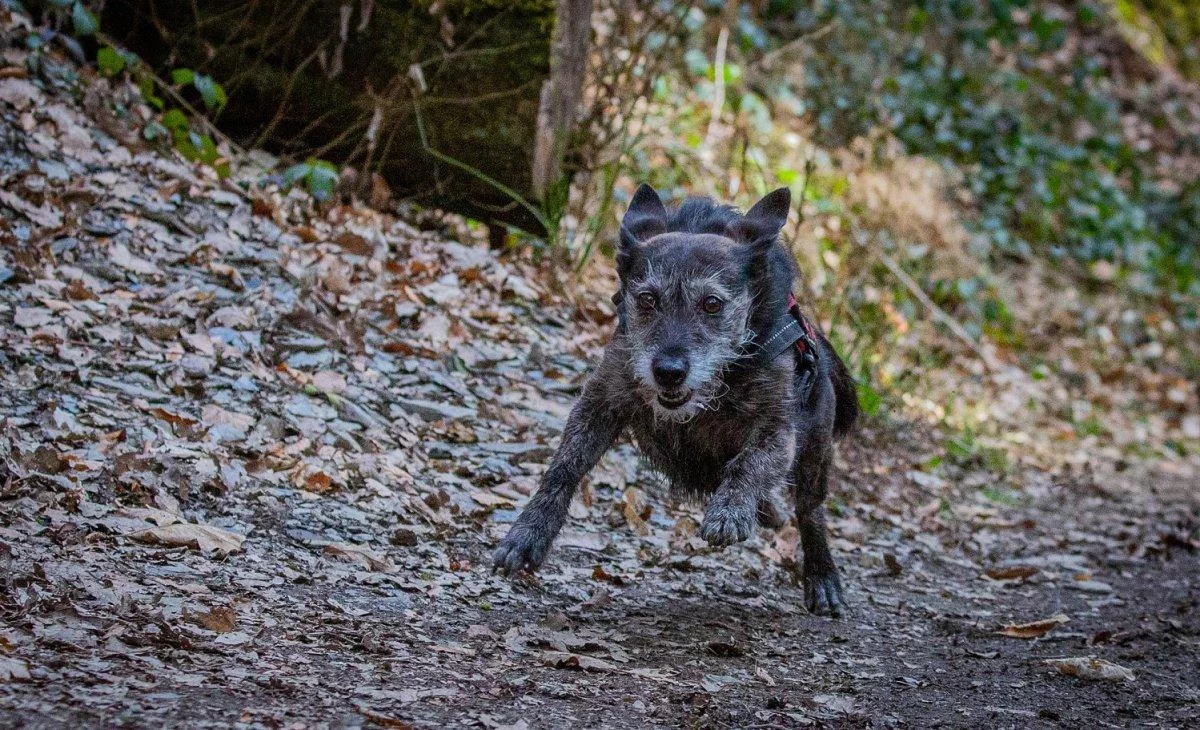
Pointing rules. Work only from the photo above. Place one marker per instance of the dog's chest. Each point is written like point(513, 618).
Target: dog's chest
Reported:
point(693, 454)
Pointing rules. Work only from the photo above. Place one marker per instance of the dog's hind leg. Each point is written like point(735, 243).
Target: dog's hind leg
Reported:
point(822, 587)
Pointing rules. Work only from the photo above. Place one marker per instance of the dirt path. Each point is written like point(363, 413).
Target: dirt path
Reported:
point(254, 460)
point(627, 635)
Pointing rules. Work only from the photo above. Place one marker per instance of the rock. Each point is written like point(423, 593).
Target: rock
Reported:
point(432, 410)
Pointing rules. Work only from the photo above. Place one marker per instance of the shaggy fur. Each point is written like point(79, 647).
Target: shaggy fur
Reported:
point(700, 287)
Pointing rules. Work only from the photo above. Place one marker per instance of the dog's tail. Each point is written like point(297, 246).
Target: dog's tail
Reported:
point(845, 392)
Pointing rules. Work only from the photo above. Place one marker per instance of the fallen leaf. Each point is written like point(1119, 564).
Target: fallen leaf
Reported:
point(221, 619)
point(31, 317)
point(892, 564)
point(318, 482)
point(330, 382)
point(13, 669)
point(1015, 572)
point(631, 507)
point(1091, 668)
point(488, 499)
point(567, 660)
point(206, 538)
point(1033, 629)
point(838, 703)
point(360, 555)
point(599, 573)
point(173, 418)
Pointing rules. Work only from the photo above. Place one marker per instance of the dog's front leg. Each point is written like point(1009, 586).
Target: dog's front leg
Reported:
point(751, 478)
point(591, 428)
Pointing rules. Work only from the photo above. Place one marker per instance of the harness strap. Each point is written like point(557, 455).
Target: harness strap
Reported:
point(794, 330)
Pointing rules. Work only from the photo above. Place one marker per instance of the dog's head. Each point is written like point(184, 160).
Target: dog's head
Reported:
point(690, 297)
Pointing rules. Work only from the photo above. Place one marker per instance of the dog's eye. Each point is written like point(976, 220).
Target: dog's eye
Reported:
point(712, 305)
point(647, 301)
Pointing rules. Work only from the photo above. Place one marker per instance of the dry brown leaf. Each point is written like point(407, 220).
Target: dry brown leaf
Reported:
point(488, 499)
point(318, 482)
point(1091, 668)
point(1034, 629)
point(568, 660)
point(221, 619)
point(359, 555)
point(599, 573)
point(206, 538)
point(383, 720)
point(632, 507)
point(355, 244)
point(1016, 572)
point(173, 418)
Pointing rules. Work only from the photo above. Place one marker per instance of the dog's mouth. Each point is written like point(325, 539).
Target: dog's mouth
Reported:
point(671, 401)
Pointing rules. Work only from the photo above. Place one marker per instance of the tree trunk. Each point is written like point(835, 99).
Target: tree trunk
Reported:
point(357, 81)
point(558, 108)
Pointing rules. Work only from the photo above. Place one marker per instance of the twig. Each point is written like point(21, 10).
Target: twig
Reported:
point(938, 313)
point(809, 164)
point(538, 215)
point(718, 101)
point(768, 58)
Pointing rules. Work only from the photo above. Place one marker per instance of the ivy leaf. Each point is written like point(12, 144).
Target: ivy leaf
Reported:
point(321, 179)
point(109, 61)
point(296, 172)
point(154, 130)
point(319, 176)
point(212, 92)
point(85, 23)
point(182, 76)
point(146, 86)
point(175, 120)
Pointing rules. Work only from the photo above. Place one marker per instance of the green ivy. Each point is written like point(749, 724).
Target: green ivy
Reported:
point(318, 176)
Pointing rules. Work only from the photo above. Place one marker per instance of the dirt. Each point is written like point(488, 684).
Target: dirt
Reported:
point(619, 638)
point(257, 451)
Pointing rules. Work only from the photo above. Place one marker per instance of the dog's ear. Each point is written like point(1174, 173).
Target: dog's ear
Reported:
point(762, 223)
point(646, 217)
point(771, 213)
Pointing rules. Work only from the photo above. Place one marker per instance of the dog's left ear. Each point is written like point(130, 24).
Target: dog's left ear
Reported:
point(763, 222)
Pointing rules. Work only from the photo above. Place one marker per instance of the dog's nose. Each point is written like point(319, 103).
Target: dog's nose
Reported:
point(669, 370)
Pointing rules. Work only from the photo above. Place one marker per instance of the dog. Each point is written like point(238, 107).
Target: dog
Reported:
point(726, 387)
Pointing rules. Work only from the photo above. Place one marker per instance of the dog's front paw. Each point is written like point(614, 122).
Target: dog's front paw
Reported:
point(522, 549)
point(727, 525)
point(823, 593)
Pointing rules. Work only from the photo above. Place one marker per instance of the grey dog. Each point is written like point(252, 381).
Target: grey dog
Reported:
point(726, 387)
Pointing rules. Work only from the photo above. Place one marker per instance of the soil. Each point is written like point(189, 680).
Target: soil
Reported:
point(256, 453)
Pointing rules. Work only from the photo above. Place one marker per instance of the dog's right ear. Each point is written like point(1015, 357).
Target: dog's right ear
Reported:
point(646, 217)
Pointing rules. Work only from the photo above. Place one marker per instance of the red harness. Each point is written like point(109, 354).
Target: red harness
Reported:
point(808, 342)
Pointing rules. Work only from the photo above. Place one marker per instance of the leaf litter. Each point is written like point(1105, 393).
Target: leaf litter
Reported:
point(256, 450)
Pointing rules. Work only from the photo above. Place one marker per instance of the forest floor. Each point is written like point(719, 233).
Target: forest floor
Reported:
point(255, 460)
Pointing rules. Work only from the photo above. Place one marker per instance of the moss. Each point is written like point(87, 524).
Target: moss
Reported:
point(481, 66)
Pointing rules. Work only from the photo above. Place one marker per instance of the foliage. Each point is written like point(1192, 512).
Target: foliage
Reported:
point(172, 124)
point(319, 177)
point(1045, 149)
